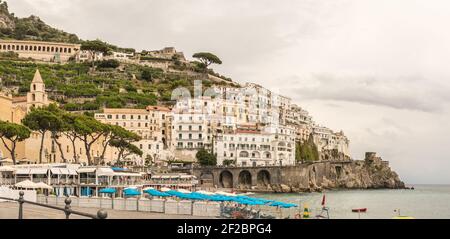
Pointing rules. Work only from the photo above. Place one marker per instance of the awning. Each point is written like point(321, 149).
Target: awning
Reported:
point(7, 169)
point(186, 176)
point(156, 176)
point(105, 172)
point(38, 171)
point(127, 174)
point(64, 171)
point(22, 171)
point(72, 171)
point(55, 171)
point(86, 170)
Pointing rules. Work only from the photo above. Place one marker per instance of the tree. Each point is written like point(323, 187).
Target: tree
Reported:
point(58, 128)
point(114, 132)
point(146, 75)
point(69, 131)
point(94, 47)
point(13, 133)
point(125, 149)
point(207, 59)
point(206, 158)
point(89, 131)
point(307, 151)
point(42, 121)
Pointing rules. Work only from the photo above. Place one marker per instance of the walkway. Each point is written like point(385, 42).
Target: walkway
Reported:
point(10, 210)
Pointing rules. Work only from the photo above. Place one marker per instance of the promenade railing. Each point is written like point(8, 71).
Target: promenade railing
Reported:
point(101, 214)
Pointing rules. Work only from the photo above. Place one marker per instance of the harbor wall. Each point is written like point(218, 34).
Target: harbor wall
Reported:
point(169, 206)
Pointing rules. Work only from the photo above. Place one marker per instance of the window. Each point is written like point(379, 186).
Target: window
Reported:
point(109, 116)
point(190, 136)
point(200, 136)
point(124, 117)
point(149, 146)
point(117, 116)
point(180, 136)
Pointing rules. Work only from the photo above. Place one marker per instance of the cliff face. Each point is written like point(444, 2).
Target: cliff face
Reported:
point(371, 173)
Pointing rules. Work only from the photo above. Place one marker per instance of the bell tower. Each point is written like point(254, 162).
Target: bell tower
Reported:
point(37, 97)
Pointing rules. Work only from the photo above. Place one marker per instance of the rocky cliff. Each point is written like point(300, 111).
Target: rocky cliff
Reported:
point(371, 173)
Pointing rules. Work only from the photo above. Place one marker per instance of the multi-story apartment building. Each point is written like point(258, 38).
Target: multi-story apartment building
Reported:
point(250, 146)
point(153, 124)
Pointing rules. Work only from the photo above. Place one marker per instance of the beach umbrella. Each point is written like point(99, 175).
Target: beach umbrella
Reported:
point(130, 192)
point(164, 189)
point(26, 184)
point(108, 190)
point(156, 193)
point(43, 186)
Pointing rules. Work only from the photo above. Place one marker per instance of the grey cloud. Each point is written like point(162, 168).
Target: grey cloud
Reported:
point(410, 93)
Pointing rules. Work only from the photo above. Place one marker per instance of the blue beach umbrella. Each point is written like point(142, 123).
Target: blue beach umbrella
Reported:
point(156, 193)
point(108, 190)
point(129, 192)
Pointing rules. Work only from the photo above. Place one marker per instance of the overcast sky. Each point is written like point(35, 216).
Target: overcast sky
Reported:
point(376, 69)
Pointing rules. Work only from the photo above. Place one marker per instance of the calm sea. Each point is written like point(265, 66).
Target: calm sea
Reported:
point(426, 201)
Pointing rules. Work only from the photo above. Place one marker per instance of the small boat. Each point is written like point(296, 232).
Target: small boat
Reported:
point(359, 210)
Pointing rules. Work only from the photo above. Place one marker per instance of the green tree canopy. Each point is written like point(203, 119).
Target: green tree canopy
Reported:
point(207, 58)
point(306, 151)
point(43, 121)
point(11, 134)
point(95, 46)
point(206, 158)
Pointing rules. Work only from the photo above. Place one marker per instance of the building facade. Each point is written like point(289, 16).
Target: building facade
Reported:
point(41, 51)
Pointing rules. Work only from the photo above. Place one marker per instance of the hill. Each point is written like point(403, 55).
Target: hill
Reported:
point(30, 28)
point(81, 87)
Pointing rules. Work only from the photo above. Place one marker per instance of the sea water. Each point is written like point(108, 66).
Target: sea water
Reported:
point(426, 201)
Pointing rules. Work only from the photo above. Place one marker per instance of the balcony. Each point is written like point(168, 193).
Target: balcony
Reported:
point(7, 181)
point(38, 180)
point(87, 181)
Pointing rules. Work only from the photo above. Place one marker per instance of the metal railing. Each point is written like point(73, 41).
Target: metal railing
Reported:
point(101, 214)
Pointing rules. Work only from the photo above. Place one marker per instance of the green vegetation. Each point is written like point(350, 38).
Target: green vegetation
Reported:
point(31, 28)
point(42, 121)
point(205, 158)
point(11, 134)
point(307, 151)
point(206, 59)
point(76, 88)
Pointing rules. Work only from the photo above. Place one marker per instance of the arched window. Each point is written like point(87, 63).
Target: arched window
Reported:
point(243, 154)
point(33, 97)
point(34, 87)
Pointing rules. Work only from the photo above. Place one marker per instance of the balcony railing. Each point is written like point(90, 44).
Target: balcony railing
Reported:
point(87, 181)
point(7, 181)
point(101, 214)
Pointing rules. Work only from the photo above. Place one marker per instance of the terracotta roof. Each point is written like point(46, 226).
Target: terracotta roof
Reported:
point(124, 111)
point(158, 108)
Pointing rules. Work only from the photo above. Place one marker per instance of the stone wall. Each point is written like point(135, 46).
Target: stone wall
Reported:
point(369, 173)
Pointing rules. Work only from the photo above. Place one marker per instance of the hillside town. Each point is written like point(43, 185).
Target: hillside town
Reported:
point(89, 124)
point(246, 126)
